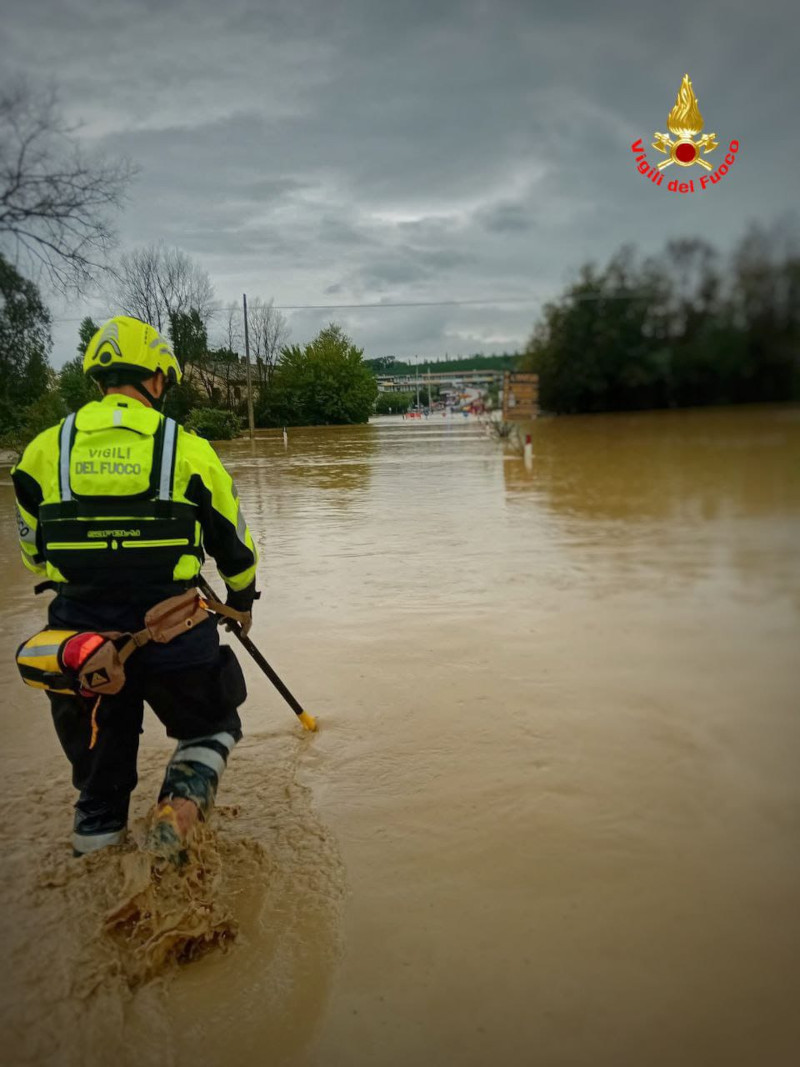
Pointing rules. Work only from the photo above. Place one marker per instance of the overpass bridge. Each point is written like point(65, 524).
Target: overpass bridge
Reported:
point(464, 379)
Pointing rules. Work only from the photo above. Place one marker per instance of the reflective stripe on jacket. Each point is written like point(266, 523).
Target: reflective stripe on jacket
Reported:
point(118, 499)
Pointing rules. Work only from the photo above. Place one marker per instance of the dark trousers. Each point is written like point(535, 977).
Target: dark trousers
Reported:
point(193, 685)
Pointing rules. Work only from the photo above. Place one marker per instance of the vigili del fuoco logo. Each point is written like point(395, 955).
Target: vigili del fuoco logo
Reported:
point(685, 122)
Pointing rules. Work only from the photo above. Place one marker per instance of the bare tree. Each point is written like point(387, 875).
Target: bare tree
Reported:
point(55, 200)
point(230, 369)
point(156, 282)
point(269, 332)
point(137, 290)
point(233, 338)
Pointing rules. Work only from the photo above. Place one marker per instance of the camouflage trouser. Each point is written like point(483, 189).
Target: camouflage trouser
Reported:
point(196, 767)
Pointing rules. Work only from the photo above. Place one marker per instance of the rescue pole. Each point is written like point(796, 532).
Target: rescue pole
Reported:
point(308, 720)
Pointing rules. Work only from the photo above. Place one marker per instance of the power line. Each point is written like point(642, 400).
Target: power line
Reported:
point(628, 294)
point(403, 304)
point(485, 301)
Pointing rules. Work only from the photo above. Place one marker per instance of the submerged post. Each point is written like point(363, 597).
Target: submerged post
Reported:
point(528, 451)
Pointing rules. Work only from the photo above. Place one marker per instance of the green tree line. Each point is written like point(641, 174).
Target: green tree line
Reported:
point(324, 382)
point(686, 327)
point(391, 365)
point(689, 326)
point(393, 403)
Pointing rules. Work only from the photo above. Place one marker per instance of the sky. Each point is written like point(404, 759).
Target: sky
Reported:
point(363, 152)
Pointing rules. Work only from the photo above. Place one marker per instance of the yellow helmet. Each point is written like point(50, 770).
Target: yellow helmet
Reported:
point(124, 343)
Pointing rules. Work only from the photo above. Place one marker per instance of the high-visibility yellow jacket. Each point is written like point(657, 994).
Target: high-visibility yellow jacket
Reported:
point(117, 501)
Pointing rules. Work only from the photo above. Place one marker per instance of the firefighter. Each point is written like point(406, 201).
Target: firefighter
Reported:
point(116, 506)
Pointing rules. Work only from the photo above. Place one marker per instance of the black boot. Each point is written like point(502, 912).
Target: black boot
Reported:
point(98, 824)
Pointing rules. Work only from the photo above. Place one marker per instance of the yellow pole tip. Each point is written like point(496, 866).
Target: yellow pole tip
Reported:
point(308, 721)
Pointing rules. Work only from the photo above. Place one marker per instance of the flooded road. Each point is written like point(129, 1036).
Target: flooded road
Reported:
point(552, 813)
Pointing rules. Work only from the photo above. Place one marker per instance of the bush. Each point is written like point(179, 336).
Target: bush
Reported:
point(43, 413)
point(214, 424)
point(181, 400)
point(393, 403)
point(324, 384)
point(74, 386)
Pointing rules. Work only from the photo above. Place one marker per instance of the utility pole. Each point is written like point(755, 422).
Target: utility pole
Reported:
point(250, 420)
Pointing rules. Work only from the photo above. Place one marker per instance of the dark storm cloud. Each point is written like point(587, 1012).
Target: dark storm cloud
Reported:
point(391, 271)
point(507, 218)
point(378, 151)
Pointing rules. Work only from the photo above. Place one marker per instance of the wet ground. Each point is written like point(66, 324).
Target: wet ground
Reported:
point(551, 816)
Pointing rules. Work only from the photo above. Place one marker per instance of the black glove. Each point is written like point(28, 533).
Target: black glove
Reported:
point(241, 600)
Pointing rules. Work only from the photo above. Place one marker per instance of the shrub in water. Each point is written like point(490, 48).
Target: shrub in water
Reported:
point(213, 424)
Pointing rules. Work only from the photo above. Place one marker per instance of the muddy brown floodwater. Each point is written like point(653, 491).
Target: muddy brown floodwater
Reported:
point(552, 813)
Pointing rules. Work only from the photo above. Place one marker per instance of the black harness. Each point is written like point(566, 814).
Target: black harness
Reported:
point(116, 542)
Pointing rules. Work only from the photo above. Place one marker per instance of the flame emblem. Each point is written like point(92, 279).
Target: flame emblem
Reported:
point(685, 122)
